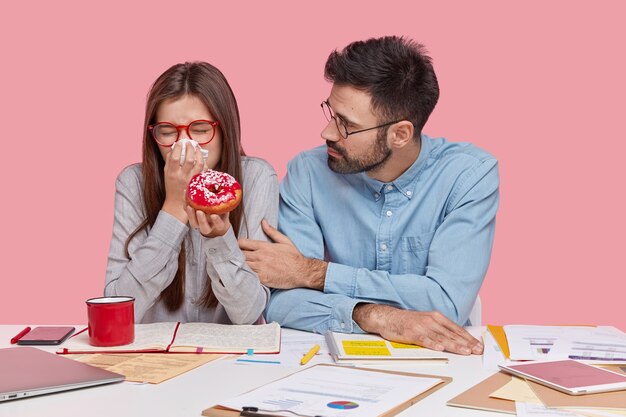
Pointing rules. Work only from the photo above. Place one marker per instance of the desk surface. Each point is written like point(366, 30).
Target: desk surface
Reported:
point(192, 392)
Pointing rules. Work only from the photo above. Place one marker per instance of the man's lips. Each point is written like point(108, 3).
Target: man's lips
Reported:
point(333, 153)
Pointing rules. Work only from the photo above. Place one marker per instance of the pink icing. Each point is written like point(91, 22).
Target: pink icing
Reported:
point(212, 188)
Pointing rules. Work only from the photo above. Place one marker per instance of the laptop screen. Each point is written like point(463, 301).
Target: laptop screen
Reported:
point(28, 371)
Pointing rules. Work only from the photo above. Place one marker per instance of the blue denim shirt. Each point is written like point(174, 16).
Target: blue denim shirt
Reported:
point(422, 242)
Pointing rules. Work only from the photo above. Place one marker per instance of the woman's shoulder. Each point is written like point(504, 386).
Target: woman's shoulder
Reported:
point(131, 176)
point(253, 166)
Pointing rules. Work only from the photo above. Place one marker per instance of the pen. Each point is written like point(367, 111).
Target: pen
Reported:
point(306, 358)
point(19, 335)
point(254, 412)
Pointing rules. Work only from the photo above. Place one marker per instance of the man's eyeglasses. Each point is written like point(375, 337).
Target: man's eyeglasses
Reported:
point(166, 133)
point(341, 124)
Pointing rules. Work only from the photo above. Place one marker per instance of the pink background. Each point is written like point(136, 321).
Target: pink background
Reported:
point(540, 85)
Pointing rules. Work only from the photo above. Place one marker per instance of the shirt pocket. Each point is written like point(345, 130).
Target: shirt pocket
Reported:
point(415, 253)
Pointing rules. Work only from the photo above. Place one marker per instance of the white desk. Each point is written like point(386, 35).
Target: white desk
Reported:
point(192, 392)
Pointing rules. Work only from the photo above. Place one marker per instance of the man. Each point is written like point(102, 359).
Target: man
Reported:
point(392, 231)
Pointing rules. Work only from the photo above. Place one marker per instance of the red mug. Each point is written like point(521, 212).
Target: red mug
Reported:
point(111, 321)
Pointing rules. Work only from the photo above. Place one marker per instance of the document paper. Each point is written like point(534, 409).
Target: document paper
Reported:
point(152, 368)
point(593, 350)
point(294, 345)
point(334, 391)
point(535, 342)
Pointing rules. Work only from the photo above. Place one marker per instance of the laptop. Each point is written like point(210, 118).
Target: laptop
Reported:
point(28, 371)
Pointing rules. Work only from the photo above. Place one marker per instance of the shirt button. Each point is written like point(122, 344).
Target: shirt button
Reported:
point(389, 187)
point(376, 195)
point(389, 213)
point(383, 247)
point(212, 250)
point(408, 193)
point(342, 325)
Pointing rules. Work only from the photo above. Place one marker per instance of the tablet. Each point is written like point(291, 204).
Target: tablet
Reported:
point(46, 335)
point(569, 376)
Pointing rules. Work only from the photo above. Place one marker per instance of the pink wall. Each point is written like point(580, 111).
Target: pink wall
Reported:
point(540, 85)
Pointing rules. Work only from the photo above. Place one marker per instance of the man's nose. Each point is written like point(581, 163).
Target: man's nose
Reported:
point(330, 132)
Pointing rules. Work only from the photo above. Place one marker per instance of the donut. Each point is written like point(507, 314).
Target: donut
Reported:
point(213, 192)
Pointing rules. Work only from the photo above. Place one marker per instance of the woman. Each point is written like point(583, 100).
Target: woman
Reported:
point(182, 265)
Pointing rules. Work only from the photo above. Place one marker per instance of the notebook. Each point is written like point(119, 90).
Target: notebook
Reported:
point(28, 371)
point(370, 349)
point(187, 338)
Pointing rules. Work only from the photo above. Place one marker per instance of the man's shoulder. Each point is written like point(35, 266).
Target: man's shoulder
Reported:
point(312, 160)
point(461, 165)
point(462, 153)
point(316, 155)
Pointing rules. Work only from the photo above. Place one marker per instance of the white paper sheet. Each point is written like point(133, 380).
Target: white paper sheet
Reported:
point(294, 345)
point(537, 410)
point(534, 342)
point(595, 412)
point(593, 350)
point(333, 391)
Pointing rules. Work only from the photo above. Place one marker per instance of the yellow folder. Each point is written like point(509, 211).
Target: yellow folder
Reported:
point(498, 333)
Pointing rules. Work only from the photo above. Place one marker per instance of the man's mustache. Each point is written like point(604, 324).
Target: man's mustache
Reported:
point(334, 147)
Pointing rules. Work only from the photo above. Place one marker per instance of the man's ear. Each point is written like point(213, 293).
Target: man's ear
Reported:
point(401, 133)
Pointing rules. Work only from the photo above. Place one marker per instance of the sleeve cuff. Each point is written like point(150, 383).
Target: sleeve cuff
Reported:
point(341, 318)
point(340, 279)
point(223, 248)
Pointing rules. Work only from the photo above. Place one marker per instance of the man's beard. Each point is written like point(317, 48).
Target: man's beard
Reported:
point(374, 159)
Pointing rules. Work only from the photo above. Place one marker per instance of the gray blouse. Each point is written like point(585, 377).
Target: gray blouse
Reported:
point(216, 261)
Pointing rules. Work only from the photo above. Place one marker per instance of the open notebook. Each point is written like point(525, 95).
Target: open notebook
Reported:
point(188, 338)
point(27, 371)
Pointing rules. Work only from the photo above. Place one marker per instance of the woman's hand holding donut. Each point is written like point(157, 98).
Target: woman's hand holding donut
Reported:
point(210, 225)
point(177, 174)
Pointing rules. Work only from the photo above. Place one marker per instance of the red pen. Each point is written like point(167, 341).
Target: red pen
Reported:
point(19, 335)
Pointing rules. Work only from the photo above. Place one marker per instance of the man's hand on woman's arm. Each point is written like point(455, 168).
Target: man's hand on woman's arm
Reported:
point(280, 264)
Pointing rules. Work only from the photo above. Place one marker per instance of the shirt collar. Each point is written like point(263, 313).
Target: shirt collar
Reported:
point(406, 182)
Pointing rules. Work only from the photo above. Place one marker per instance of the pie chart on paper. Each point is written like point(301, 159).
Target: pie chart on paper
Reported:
point(342, 405)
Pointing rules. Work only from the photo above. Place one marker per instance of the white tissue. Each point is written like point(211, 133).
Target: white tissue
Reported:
point(183, 142)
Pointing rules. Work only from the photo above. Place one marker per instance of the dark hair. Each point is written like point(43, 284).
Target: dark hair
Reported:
point(395, 71)
point(204, 81)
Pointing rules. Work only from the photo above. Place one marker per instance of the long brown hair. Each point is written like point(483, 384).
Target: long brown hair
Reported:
point(207, 83)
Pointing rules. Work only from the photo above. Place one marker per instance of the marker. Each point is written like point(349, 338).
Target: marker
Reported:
point(19, 335)
point(309, 355)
